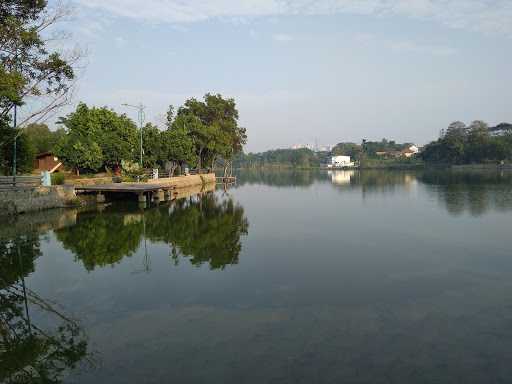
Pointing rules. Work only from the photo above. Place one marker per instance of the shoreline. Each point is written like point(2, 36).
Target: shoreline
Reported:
point(14, 202)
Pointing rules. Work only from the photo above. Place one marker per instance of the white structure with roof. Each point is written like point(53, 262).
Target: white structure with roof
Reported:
point(340, 162)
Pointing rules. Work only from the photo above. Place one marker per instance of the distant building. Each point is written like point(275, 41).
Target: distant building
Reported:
point(47, 161)
point(407, 152)
point(340, 162)
point(411, 151)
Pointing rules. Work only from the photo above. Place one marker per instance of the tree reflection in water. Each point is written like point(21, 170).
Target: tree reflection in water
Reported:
point(473, 192)
point(206, 228)
point(99, 239)
point(29, 353)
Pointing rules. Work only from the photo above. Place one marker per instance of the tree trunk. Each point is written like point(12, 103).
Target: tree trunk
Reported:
point(226, 166)
point(173, 168)
point(200, 162)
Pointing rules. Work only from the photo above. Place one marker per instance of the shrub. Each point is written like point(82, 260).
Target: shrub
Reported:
point(58, 178)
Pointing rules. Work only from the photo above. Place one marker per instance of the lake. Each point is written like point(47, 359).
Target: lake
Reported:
point(287, 277)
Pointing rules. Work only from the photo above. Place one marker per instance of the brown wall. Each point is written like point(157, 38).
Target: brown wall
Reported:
point(46, 163)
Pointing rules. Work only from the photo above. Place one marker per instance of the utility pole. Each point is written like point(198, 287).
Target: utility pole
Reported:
point(14, 156)
point(140, 109)
point(15, 125)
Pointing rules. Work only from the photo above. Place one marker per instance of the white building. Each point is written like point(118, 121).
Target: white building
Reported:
point(411, 151)
point(340, 162)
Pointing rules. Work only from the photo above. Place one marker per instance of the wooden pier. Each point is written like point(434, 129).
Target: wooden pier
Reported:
point(144, 191)
point(226, 180)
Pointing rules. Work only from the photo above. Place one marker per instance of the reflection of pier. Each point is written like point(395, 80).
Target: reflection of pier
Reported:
point(226, 180)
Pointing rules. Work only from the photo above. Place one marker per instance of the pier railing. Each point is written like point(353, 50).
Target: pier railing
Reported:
point(163, 174)
point(10, 182)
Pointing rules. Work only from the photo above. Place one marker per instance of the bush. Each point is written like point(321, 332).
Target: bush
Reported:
point(58, 178)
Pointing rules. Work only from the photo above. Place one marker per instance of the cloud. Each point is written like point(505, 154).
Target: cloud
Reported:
point(414, 47)
point(371, 40)
point(282, 37)
point(120, 42)
point(490, 16)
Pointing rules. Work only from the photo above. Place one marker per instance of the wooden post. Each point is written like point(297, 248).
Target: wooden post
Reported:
point(158, 196)
point(100, 198)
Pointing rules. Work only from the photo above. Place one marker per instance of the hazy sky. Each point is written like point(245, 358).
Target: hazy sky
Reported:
point(330, 70)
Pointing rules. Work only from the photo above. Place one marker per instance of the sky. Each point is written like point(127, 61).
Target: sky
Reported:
point(303, 71)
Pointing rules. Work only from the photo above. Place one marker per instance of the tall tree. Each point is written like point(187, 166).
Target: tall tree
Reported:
point(80, 153)
point(31, 73)
point(152, 146)
point(27, 65)
point(178, 146)
point(115, 135)
point(42, 138)
point(216, 132)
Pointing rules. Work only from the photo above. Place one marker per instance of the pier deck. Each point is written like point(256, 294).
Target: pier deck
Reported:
point(124, 188)
point(144, 191)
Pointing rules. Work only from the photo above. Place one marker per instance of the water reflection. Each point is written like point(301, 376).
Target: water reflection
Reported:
point(473, 192)
point(30, 352)
point(205, 228)
point(103, 238)
point(341, 177)
point(279, 178)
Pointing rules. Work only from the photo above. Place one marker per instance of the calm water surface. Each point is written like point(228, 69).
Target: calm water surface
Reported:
point(289, 277)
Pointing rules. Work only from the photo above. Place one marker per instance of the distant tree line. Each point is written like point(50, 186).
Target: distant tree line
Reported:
point(368, 149)
point(476, 143)
point(306, 158)
point(286, 158)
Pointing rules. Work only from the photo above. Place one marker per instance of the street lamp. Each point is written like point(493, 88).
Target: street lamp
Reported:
point(140, 109)
point(14, 156)
point(15, 125)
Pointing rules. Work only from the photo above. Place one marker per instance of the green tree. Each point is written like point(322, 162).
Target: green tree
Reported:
point(178, 146)
point(42, 138)
point(30, 72)
point(80, 153)
point(152, 146)
point(460, 144)
point(25, 152)
point(213, 125)
point(115, 135)
point(347, 149)
point(477, 142)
